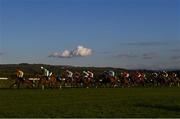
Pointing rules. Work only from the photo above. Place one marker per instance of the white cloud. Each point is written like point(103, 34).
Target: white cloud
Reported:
point(80, 51)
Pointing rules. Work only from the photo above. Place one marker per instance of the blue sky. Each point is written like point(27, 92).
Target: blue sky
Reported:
point(120, 33)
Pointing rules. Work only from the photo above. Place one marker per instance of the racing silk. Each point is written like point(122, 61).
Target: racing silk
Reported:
point(138, 75)
point(155, 74)
point(77, 74)
point(70, 74)
point(19, 74)
point(86, 74)
point(126, 75)
point(174, 75)
point(144, 76)
point(91, 75)
point(165, 74)
point(111, 73)
point(46, 72)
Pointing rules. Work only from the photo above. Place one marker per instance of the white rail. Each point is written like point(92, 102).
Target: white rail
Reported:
point(3, 78)
point(34, 79)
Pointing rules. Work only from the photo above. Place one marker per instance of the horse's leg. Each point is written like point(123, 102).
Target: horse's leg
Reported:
point(31, 84)
point(12, 85)
point(18, 84)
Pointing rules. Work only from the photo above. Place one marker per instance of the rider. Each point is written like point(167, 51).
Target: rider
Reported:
point(90, 74)
point(86, 74)
point(46, 72)
point(174, 75)
point(111, 73)
point(58, 77)
point(139, 74)
point(19, 74)
point(69, 74)
point(155, 74)
point(165, 74)
point(126, 74)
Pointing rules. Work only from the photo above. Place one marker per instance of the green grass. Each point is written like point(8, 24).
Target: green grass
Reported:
point(101, 102)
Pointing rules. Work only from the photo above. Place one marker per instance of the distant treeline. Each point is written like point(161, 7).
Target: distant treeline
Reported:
point(30, 70)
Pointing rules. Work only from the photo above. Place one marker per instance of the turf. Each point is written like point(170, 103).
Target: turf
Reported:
point(100, 102)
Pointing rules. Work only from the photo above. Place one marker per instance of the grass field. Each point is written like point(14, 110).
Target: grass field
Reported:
point(101, 102)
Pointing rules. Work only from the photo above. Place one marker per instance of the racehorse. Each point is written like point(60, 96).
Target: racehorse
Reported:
point(164, 79)
point(88, 82)
point(20, 82)
point(174, 80)
point(139, 78)
point(78, 80)
point(106, 79)
point(47, 81)
point(125, 79)
point(153, 79)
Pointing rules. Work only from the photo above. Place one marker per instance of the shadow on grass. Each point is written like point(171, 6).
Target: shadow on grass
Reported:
point(163, 107)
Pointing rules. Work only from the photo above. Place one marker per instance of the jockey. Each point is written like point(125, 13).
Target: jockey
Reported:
point(19, 74)
point(139, 75)
point(46, 72)
point(126, 75)
point(155, 74)
point(58, 77)
point(111, 73)
point(174, 74)
point(143, 75)
point(90, 74)
point(86, 74)
point(165, 74)
point(77, 74)
point(69, 74)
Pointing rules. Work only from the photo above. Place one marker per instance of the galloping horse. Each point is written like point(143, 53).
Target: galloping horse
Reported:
point(125, 79)
point(174, 81)
point(106, 79)
point(47, 81)
point(88, 82)
point(139, 78)
point(164, 79)
point(19, 82)
point(153, 79)
point(78, 81)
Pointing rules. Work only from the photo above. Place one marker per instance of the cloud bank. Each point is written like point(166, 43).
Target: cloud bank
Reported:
point(126, 56)
point(175, 57)
point(80, 51)
point(149, 55)
point(142, 56)
point(152, 43)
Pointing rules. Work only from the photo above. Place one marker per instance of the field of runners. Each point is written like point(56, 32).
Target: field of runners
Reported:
point(92, 102)
point(84, 77)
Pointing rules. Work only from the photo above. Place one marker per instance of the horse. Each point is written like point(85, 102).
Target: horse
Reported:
point(106, 79)
point(78, 80)
point(164, 79)
point(139, 78)
point(125, 80)
point(20, 82)
point(174, 81)
point(47, 81)
point(153, 79)
point(88, 82)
